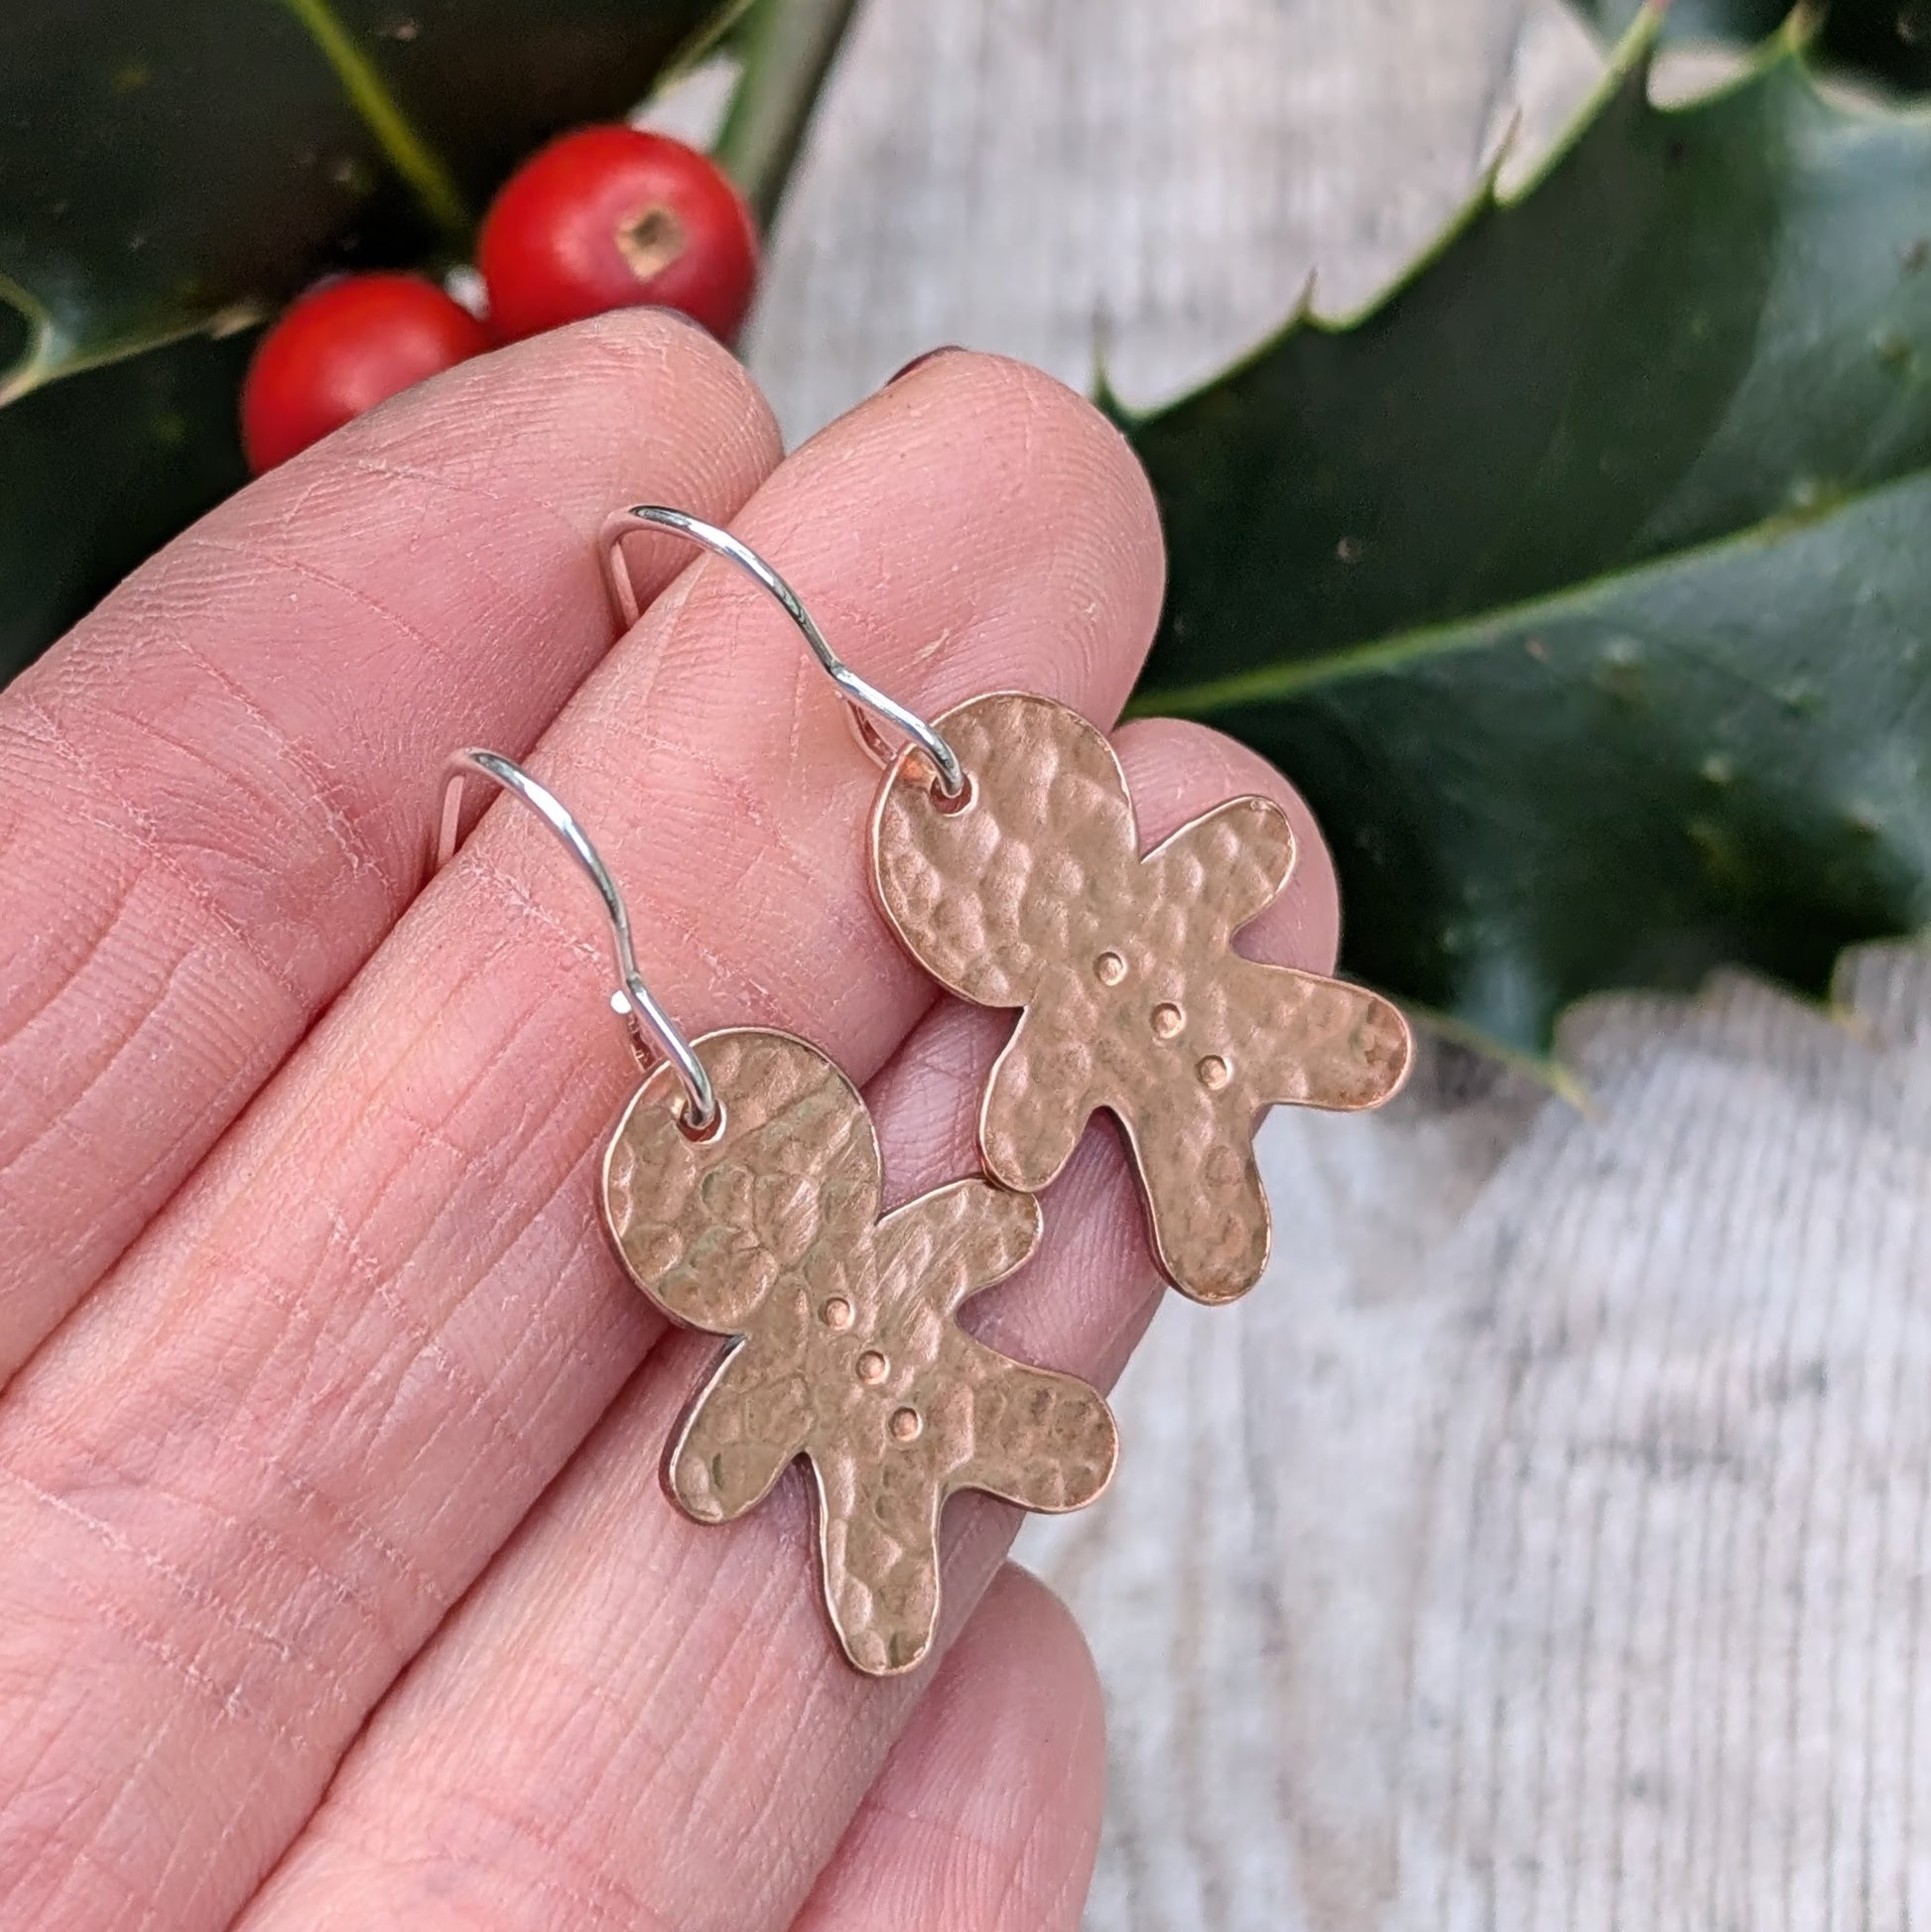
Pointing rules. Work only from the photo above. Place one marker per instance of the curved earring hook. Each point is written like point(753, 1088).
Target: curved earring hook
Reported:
point(864, 701)
point(653, 1033)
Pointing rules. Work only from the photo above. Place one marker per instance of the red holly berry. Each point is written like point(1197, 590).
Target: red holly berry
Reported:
point(342, 348)
point(611, 216)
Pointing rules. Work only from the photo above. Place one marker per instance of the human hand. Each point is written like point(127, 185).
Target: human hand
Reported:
point(336, 1585)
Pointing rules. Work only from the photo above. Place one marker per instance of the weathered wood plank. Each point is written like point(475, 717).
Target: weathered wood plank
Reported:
point(1550, 1541)
point(1034, 178)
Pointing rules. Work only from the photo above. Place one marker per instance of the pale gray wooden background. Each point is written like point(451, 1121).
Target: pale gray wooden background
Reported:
point(1544, 1544)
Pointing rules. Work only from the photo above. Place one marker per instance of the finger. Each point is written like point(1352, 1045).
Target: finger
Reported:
point(985, 1815)
point(261, 1460)
point(733, 1742)
point(214, 801)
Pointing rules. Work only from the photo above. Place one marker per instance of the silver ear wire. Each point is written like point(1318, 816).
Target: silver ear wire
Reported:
point(864, 702)
point(653, 1033)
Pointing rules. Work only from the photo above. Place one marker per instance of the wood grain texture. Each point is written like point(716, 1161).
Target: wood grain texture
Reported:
point(1578, 1579)
point(1575, 1575)
point(1045, 177)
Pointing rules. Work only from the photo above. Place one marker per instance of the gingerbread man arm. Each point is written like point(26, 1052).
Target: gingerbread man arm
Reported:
point(1230, 864)
point(955, 1241)
point(750, 1420)
point(1320, 1042)
point(1040, 1439)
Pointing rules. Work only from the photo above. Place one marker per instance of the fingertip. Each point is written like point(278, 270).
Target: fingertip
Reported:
point(1020, 1614)
point(1040, 1729)
point(1023, 1664)
point(987, 1812)
point(1032, 439)
point(610, 393)
point(1179, 769)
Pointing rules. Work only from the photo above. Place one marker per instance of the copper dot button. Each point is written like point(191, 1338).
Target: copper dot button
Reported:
point(872, 1368)
point(1167, 1019)
point(905, 1424)
point(1109, 968)
point(836, 1313)
point(1213, 1071)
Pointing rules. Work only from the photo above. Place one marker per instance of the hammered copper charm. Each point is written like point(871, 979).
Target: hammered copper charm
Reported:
point(1034, 893)
point(847, 1348)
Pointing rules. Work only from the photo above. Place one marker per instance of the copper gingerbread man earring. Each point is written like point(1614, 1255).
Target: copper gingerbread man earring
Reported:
point(1006, 854)
point(743, 1186)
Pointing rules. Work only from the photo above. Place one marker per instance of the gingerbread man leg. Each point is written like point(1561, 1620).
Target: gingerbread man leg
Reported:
point(1206, 1208)
point(879, 1539)
point(1038, 1100)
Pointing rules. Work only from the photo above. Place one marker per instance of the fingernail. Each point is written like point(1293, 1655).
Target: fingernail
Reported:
point(919, 362)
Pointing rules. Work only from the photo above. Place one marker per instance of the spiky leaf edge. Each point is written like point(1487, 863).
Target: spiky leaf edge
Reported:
point(1631, 61)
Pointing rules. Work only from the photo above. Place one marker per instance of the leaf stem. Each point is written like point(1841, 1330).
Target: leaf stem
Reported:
point(786, 47)
point(409, 153)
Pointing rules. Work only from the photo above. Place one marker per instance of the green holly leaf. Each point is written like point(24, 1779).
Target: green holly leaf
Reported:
point(1585, 582)
point(97, 473)
point(177, 172)
point(1886, 41)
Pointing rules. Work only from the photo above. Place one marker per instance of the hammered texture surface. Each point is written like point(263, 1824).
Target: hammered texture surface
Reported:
point(1035, 894)
point(847, 1348)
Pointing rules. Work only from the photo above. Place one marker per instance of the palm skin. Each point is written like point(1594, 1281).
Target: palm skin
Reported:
point(337, 1586)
